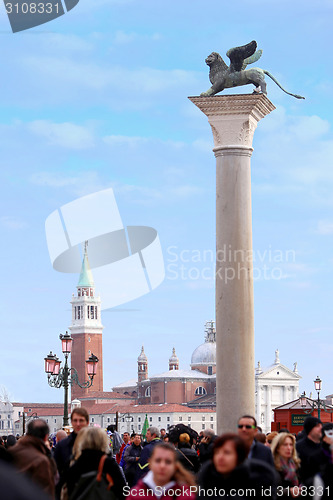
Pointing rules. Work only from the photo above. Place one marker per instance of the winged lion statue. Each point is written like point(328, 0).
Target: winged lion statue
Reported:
point(223, 77)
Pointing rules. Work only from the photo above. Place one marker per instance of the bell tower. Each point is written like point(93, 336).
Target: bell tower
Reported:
point(173, 361)
point(86, 329)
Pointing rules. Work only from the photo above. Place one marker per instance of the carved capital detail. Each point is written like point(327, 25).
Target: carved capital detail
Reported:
point(234, 118)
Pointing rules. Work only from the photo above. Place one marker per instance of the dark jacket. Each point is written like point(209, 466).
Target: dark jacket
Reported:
point(311, 457)
point(131, 463)
point(206, 450)
point(18, 488)
point(188, 458)
point(31, 456)
point(88, 461)
point(251, 475)
point(145, 456)
point(62, 455)
point(261, 452)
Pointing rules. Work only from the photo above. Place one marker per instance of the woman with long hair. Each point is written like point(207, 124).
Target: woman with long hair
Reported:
point(286, 463)
point(166, 477)
point(91, 444)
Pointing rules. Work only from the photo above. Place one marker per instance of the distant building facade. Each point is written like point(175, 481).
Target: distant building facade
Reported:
point(274, 386)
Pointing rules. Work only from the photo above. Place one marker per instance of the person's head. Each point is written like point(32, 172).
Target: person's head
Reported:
point(90, 438)
point(61, 434)
point(137, 440)
point(261, 438)
point(79, 419)
point(229, 451)
point(11, 441)
point(165, 467)
point(152, 433)
point(284, 447)
point(313, 428)
point(38, 428)
point(326, 439)
point(163, 432)
point(208, 435)
point(247, 428)
point(184, 439)
point(126, 437)
point(269, 438)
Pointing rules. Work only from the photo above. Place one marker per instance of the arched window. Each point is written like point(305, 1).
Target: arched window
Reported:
point(147, 393)
point(200, 391)
point(210, 370)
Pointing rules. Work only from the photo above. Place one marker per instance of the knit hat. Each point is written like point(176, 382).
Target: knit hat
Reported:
point(310, 423)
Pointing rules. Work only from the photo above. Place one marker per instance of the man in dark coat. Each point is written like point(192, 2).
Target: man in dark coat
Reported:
point(131, 458)
point(309, 450)
point(206, 445)
point(247, 430)
point(63, 449)
point(32, 456)
point(152, 438)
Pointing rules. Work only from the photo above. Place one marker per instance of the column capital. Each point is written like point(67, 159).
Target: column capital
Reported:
point(234, 118)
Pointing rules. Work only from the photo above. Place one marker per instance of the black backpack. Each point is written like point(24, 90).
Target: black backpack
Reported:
point(94, 485)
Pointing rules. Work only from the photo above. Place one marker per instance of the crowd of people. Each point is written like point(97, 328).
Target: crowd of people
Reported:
point(93, 463)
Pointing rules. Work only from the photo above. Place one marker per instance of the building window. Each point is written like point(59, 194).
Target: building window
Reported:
point(210, 370)
point(88, 312)
point(150, 419)
point(189, 419)
point(147, 393)
point(203, 426)
point(200, 391)
point(139, 419)
point(95, 312)
point(139, 427)
point(55, 420)
point(159, 419)
point(108, 419)
point(180, 419)
point(92, 311)
point(168, 419)
point(92, 419)
point(203, 419)
point(211, 419)
point(212, 426)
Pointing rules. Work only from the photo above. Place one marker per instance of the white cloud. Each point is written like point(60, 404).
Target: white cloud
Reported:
point(67, 135)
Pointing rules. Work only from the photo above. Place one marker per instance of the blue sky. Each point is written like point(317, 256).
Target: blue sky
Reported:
point(98, 98)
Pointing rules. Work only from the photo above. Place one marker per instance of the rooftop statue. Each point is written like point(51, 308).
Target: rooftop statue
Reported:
point(224, 77)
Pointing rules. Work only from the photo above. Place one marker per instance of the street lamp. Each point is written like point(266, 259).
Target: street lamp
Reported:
point(317, 384)
point(314, 405)
point(63, 377)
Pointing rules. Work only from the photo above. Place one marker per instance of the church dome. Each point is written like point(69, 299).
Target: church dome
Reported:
point(205, 354)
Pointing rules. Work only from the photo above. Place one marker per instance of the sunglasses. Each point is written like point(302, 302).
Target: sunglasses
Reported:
point(240, 426)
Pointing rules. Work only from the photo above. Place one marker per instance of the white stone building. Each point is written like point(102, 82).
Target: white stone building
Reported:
point(274, 386)
point(7, 418)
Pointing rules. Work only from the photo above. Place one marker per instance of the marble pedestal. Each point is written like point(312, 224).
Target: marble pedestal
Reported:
point(233, 119)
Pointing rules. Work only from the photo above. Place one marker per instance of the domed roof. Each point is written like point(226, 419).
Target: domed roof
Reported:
point(205, 354)
point(142, 356)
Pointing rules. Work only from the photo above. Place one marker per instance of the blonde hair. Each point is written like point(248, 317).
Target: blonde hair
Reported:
point(90, 438)
point(184, 438)
point(277, 442)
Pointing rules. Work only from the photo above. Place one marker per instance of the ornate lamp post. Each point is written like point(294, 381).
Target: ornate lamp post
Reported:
point(314, 405)
point(63, 377)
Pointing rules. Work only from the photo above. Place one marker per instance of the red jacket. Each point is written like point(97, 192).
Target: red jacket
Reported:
point(181, 492)
point(120, 452)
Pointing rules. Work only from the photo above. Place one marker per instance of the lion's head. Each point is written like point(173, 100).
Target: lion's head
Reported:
point(213, 58)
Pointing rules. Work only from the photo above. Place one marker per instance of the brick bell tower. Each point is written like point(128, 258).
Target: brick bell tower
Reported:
point(86, 330)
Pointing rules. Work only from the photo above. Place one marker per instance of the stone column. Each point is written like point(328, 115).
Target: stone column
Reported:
point(233, 119)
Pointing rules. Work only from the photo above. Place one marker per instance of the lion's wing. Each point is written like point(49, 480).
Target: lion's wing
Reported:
point(237, 55)
point(254, 58)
